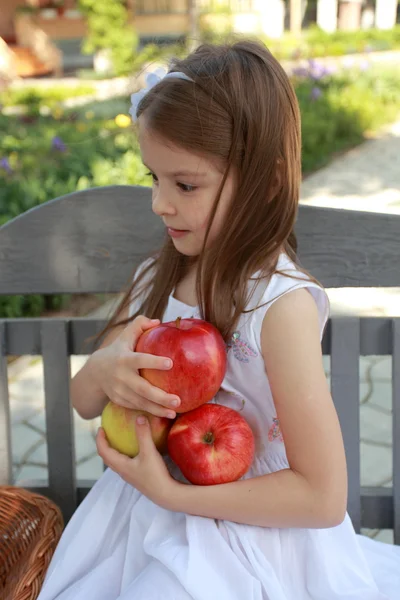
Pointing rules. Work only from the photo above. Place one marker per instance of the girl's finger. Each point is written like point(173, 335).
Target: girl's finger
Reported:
point(151, 361)
point(112, 458)
point(135, 328)
point(155, 394)
point(129, 399)
point(146, 444)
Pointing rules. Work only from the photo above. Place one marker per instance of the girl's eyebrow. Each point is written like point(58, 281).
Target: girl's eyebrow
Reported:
point(182, 173)
point(188, 174)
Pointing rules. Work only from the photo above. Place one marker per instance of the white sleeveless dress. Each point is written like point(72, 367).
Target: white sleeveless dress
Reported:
point(120, 545)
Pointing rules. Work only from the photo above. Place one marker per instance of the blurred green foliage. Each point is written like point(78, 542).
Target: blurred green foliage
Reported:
point(109, 28)
point(44, 156)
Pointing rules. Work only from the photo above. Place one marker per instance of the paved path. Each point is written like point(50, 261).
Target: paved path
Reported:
point(367, 178)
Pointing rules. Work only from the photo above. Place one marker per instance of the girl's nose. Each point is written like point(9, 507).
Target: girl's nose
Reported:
point(160, 203)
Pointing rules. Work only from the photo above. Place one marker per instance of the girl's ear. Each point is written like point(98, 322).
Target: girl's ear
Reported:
point(277, 180)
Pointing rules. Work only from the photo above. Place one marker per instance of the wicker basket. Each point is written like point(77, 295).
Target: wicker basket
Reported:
point(30, 527)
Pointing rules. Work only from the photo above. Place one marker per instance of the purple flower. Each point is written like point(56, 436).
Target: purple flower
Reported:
point(317, 71)
point(330, 70)
point(58, 145)
point(315, 93)
point(5, 165)
point(300, 72)
point(314, 70)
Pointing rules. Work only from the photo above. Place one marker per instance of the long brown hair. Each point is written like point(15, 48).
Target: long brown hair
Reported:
point(242, 110)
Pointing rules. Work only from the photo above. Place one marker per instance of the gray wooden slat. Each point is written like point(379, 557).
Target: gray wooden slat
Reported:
point(345, 345)
point(377, 507)
point(396, 428)
point(375, 336)
point(39, 487)
point(82, 334)
point(59, 415)
point(90, 241)
point(5, 426)
point(346, 248)
point(23, 336)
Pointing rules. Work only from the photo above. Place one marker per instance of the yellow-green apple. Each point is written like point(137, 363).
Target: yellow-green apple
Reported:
point(211, 444)
point(119, 424)
point(198, 352)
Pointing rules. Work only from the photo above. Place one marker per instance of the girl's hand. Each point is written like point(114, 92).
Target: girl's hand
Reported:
point(146, 472)
point(115, 370)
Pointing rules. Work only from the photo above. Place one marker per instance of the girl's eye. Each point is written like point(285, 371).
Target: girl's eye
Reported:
point(186, 187)
point(152, 176)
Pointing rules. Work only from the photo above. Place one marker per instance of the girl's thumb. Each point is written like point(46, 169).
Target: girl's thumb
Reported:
point(144, 434)
point(135, 328)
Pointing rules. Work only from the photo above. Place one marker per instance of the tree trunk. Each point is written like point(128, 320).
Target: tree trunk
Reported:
point(193, 38)
point(350, 15)
point(272, 18)
point(327, 15)
point(295, 16)
point(385, 14)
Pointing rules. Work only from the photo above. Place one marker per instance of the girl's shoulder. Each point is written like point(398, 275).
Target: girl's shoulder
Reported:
point(147, 265)
point(264, 291)
point(140, 288)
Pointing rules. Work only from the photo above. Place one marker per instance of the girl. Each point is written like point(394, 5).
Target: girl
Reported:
point(220, 136)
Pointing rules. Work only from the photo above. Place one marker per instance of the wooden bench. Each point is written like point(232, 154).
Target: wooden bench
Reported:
point(90, 241)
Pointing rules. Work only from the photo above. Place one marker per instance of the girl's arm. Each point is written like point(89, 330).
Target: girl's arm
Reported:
point(86, 396)
point(313, 491)
point(112, 372)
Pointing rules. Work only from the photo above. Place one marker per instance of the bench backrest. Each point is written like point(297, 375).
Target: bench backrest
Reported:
point(90, 242)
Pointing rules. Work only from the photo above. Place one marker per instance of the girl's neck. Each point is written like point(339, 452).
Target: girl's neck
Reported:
point(185, 291)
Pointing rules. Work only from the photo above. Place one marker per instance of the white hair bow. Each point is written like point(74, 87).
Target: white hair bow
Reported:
point(151, 80)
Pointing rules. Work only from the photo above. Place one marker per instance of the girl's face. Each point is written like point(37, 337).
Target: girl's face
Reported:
point(184, 190)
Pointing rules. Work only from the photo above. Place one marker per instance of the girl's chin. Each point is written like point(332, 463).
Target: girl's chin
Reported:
point(185, 247)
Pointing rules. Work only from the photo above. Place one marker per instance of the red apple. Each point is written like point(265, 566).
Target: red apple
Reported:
point(198, 352)
point(211, 444)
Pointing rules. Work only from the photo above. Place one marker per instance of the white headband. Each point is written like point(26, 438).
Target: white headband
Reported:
point(151, 80)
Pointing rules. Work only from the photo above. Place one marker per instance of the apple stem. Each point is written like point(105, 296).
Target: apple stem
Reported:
point(209, 437)
point(178, 322)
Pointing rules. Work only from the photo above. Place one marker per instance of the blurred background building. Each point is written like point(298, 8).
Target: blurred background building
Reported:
point(45, 36)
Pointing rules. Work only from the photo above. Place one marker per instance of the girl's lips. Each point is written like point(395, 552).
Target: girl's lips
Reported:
point(176, 233)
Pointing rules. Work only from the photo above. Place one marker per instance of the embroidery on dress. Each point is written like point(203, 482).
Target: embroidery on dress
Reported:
point(275, 431)
point(241, 350)
point(239, 399)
